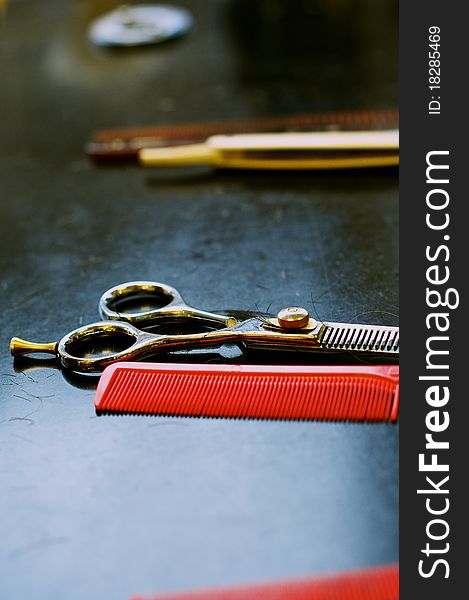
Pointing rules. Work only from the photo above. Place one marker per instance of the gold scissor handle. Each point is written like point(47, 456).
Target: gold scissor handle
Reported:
point(165, 302)
point(91, 348)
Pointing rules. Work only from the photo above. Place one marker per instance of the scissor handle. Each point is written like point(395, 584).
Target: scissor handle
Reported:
point(93, 347)
point(166, 302)
point(162, 296)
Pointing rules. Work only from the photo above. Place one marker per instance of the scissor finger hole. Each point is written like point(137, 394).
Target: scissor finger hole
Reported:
point(100, 345)
point(133, 304)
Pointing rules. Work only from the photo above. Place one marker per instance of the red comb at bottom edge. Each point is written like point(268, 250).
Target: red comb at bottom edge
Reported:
point(300, 393)
point(379, 583)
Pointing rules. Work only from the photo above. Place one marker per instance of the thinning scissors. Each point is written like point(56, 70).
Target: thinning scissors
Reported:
point(129, 307)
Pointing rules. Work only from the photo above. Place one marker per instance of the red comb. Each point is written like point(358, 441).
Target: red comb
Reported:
point(251, 392)
point(380, 583)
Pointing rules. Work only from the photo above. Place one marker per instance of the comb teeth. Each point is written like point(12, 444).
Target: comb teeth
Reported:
point(381, 583)
point(251, 392)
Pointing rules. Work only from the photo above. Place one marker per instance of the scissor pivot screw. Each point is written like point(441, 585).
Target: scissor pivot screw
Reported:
point(293, 317)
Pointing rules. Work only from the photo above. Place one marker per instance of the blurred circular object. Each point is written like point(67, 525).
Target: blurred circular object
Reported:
point(139, 24)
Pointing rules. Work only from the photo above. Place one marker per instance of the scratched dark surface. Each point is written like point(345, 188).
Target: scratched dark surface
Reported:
point(101, 508)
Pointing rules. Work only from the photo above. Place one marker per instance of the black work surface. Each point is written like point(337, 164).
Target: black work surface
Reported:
point(103, 507)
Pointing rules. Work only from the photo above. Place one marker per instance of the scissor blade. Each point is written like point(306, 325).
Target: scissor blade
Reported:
point(326, 339)
point(361, 338)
